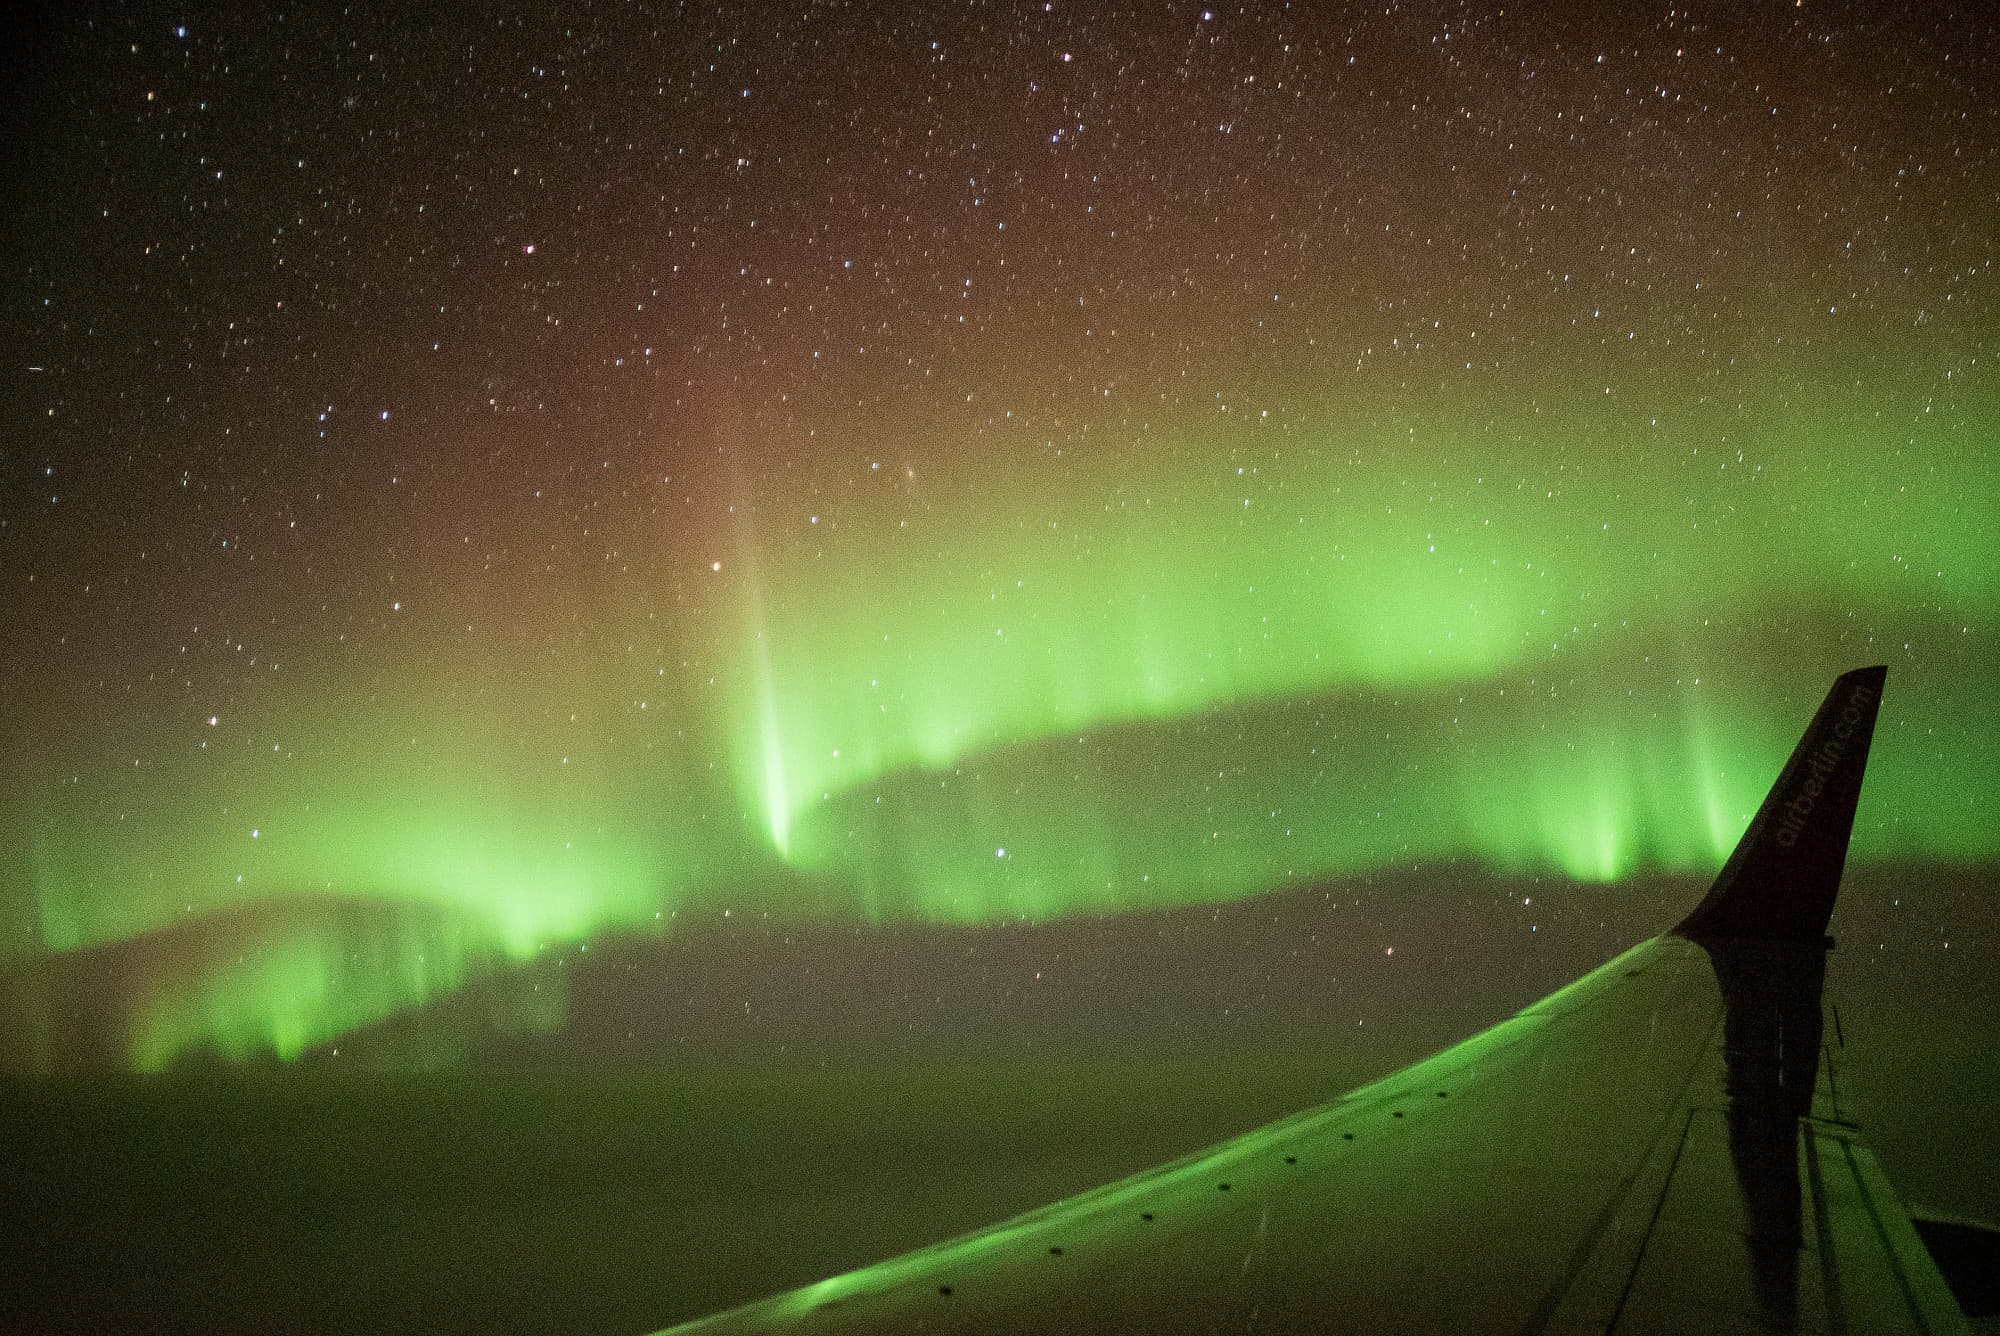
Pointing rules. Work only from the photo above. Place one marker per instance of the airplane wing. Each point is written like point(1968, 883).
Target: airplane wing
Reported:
point(1662, 1146)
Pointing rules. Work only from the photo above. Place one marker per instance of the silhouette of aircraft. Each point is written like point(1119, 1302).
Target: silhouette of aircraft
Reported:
point(1662, 1146)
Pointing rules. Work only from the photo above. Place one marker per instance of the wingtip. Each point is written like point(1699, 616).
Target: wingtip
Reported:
point(1782, 879)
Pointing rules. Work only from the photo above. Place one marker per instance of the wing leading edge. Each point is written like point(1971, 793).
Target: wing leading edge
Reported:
point(1659, 1146)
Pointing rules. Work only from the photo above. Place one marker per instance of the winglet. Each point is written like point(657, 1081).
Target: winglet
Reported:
point(1781, 881)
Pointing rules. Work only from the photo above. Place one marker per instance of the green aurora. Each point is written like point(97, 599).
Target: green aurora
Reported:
point(483, 489)
point(1304, 663)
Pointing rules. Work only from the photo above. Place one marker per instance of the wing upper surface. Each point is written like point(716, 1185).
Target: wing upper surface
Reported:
point(1657, 1147)
point(1468, 1186)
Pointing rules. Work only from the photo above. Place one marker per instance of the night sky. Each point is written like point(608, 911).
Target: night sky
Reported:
point(477, 487)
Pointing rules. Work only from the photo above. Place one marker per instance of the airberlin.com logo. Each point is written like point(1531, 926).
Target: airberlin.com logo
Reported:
point(1820, 767)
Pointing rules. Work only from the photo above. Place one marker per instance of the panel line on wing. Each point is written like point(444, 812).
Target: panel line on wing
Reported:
point(1594, 1238)
point(1866, 1183)
point(1652, 1223)
point(1829, 1261)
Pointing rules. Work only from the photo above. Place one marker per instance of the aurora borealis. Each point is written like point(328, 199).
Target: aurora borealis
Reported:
point(480, 486)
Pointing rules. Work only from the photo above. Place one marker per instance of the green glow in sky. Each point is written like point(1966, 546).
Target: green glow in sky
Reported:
point(306, 981)
point(1178, 671)
point(1036, 468)
point(1644, 626)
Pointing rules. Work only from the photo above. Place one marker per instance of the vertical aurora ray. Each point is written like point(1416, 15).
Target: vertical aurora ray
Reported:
point(773, 793)
point(762, 777)
point(274, 980)
point(1720, 803)
point(298, 985)
point(771, 759)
